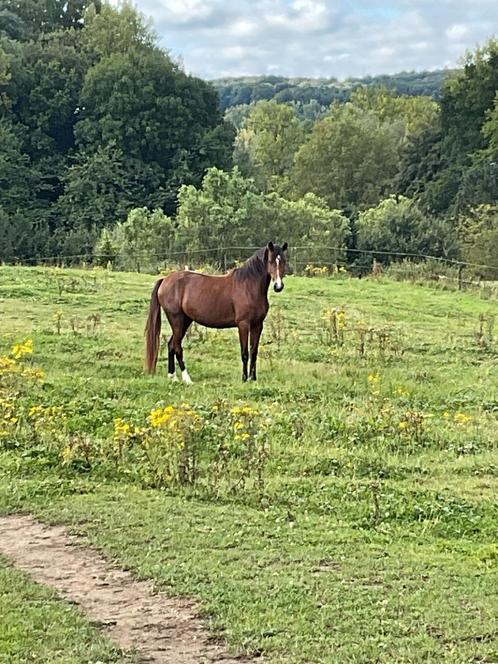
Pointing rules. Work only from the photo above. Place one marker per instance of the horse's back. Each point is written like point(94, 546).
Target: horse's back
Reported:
point(204, 298)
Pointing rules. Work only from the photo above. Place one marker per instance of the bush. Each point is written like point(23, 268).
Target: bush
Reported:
point(142, 242)
point(397, 226)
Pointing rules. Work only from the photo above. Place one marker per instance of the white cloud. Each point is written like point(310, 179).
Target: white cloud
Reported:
point(456, 31)
point(336, 38)
point(233, 52)
point(244, 28)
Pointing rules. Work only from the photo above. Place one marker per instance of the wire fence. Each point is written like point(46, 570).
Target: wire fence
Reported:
point(228, 252)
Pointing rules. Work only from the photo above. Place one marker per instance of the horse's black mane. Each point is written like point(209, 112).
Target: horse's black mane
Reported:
point(253, 268)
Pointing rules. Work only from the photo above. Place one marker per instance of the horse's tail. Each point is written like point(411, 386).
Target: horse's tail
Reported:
point(153, 331)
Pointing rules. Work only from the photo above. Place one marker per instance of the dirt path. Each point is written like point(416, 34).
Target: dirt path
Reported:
point(159, 628)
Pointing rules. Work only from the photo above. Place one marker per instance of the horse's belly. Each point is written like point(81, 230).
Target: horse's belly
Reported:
point(215, 324)
point(210, 311)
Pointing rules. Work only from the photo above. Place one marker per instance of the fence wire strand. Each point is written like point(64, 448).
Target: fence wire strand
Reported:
point(219, 251)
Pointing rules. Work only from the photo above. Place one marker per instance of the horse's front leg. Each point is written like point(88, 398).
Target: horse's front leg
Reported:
point(244, 342)
point(256, 330)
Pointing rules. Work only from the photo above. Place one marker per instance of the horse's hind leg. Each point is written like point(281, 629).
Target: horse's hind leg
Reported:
point(180, 325)
point(171, 360)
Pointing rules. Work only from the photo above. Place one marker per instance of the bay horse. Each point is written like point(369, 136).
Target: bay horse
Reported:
point(237, 299)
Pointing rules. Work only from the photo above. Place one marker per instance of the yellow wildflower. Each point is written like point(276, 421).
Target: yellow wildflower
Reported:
point(462, 418)
point(7, 363)
point(25, 348)
point(67, 454)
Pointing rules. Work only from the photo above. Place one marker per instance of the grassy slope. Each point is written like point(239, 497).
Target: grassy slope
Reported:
point(361, 550)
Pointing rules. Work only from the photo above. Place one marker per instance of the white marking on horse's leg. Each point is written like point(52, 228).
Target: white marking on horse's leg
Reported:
point(173, 377)
point(186, 378)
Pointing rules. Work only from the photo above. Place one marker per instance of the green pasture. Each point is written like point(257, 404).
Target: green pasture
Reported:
point(375, 535)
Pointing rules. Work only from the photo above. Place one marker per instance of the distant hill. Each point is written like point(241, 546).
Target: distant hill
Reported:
point(324, 91)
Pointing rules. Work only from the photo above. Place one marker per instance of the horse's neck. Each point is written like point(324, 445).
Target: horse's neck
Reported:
point(267, 283)
point(259, 286)
point(264, 284)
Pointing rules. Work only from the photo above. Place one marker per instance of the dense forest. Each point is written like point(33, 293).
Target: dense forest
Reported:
point(108, 149)
point(95, 119)
point(324, 91)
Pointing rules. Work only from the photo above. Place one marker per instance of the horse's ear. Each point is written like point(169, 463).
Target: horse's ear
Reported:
point(270, 246)
point(265, 257)
point(284, 246)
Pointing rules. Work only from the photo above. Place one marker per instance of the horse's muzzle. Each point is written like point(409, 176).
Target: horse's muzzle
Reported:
point(278, 288)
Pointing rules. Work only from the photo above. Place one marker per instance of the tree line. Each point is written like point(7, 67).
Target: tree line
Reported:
point(325, 91)
point(108, 147)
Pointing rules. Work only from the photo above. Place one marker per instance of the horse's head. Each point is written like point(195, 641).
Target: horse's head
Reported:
point(276, 263)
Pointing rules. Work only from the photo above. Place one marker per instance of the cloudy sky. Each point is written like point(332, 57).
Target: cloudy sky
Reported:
point(331, 38)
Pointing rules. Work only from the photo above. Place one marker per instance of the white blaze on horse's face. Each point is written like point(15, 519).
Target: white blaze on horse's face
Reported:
point(278, 285)
point(275, 264)
point(278, 280)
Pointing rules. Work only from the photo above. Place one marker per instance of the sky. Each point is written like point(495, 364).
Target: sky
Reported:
point(319, 38)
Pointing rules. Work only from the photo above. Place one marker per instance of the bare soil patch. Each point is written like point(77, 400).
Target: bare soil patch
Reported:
point(132, 613)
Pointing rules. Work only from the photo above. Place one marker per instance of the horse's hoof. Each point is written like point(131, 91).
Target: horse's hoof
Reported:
point(186, 378)
point(173, 377)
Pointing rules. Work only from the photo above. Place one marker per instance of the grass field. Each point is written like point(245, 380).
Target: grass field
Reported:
point(374, 535)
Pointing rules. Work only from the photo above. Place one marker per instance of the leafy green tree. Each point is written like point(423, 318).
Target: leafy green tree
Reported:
point(228, 216)
point(110, 30)
point(224, 212)
point(307, 222)
point(23, 234)
point(459, 159)
point(101, 187)
point(103, 118)
point(43, 91)
point(266, 145)
point(350, 159)
point(478, 183)
point(468, 96)
point(490, 127)
point(17, 176)
point(28, 19)
point(414, 114)
point(5, 77)
point(420, 161)
point(236, 115)
point(397, 226)
point(144, 240)
point(43, 86)
point(143, 104)
point(23, 218)
point(478, 233)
